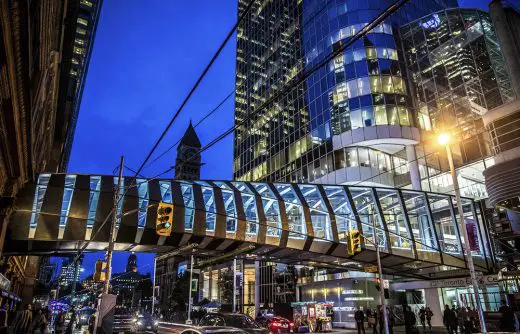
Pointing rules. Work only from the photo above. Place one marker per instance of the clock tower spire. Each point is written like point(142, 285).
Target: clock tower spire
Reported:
point(188, 161)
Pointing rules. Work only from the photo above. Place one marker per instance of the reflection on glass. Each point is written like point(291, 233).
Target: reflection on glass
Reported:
point(294, 210)
point(319, 214)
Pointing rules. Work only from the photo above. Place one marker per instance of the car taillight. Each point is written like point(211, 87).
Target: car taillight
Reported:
point(291, 324)
point(277, 324)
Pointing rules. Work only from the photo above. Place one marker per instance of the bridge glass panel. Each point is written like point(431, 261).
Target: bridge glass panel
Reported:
point(166, 191)
point(208, 196)
point(294, 210)
point(230, 206)
point(420, 222)
point(70, 181)
point(345, 219)
point(444, 223)
point(395, 219)
point(249, 203)
point(142, 193)
point(367, 211)
point(95, 188)
point(41, 188)
point(189, 205)
point(319, 214)
point(120, 203)
point(271, 209)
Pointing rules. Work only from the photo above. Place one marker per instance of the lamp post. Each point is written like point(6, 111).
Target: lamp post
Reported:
point(444, 139)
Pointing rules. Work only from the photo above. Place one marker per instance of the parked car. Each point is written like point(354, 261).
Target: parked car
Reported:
point(143, 322)
point(236, 320)
point(276, 324)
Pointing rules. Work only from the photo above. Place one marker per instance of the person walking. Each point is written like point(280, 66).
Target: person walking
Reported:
point(368, 313)
point(60, 326)
point(507, 322)
point(450, 320)
point(72, 320)
point(422, 318)
point(359, 316)
point(409, 319)
point(429, 315)
point(22, 322)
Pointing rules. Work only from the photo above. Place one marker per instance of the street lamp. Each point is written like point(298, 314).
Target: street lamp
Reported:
point(444, 139)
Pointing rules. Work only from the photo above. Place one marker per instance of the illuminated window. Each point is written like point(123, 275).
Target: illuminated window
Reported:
point(380, 115)
point(86, 3)
point(81, 31)
point(82, 21)
point(79, 41)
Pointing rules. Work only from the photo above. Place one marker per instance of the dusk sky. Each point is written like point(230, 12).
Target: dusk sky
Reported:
point(147, 55)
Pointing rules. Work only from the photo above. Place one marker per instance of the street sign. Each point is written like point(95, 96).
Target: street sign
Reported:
point(386, 284)
point(371, 269)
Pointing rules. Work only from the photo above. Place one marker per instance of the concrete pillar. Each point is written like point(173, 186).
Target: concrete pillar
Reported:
point(413, 167)
point(432, 300)
point(257, 287)
point(509, 45)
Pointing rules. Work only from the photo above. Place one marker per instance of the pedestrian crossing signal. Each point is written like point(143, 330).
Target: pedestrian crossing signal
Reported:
point(99, 274)
point(354, 242)
point(163, 226)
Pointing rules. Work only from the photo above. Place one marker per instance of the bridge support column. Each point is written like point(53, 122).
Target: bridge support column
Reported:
point(257, 287)
point(432, 300)
point(413, 167)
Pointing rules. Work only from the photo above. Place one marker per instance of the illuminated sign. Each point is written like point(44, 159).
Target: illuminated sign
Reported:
point(348, 299)
point(352, 292)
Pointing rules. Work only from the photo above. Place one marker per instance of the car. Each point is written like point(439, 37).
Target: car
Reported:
point(213, 330)
point(277, 324)
point(123, 320)
point(143, 322)
point(236, 320)
point(84, 315)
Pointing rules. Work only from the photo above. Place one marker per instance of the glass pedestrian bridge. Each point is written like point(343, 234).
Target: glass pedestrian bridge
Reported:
point(418, 232)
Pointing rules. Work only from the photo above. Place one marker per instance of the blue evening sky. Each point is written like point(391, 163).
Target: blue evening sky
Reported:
point(147, 55)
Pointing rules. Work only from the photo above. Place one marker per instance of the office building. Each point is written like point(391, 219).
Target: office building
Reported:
point(69, 272)
point(44, 55)
point(371, 115)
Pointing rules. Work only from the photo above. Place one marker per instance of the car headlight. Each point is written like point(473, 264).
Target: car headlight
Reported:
point(156, 323)
point(134, 320)
point(140, 323)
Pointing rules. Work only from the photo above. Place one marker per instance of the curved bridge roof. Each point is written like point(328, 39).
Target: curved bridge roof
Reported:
point(295, 223)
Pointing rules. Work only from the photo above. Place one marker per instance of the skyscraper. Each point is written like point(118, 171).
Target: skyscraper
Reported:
point(370, 115)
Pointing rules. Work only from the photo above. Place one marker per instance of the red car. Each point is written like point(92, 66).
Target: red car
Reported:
point(277, 325)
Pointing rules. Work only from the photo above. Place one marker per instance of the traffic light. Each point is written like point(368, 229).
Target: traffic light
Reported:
point(99, 274)
point(164, 221)
point(354, 242)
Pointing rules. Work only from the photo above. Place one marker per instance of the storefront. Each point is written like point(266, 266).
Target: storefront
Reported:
point(453, 292)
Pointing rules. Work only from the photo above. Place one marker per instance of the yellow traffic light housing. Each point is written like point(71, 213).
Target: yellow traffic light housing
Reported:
point(99, 274)
point(163, 226)
point(354, 242)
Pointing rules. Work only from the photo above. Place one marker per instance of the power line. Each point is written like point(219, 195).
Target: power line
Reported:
point(318, 12)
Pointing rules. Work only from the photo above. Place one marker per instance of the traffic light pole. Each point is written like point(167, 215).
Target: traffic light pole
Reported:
point(375, 243)
point(113, 228)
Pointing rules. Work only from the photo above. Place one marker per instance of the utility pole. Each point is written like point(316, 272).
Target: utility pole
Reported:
point(75, 275)
point(380, 272)
point(190, 301)
point(444, 139)
point(113, 228)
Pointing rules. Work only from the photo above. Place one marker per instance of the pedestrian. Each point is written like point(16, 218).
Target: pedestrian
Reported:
point(60, 326)
point(359, 316)
point(422, 318)
point(375, 319)
point(368, 313)
point(450, 320)
point(72, 320)
point(23, 320)
point(409, 319)
point(507, 321)
point(429, 315)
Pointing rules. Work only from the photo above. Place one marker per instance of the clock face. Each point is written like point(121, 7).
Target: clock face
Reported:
point(187, 154)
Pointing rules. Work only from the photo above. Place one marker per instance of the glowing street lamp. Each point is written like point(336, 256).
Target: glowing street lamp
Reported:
point(444, 139)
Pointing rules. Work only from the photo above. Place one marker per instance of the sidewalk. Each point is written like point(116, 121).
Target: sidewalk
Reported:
point(396, 329)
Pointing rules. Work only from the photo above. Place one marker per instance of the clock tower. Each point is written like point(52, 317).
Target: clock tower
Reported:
point(187, 163)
